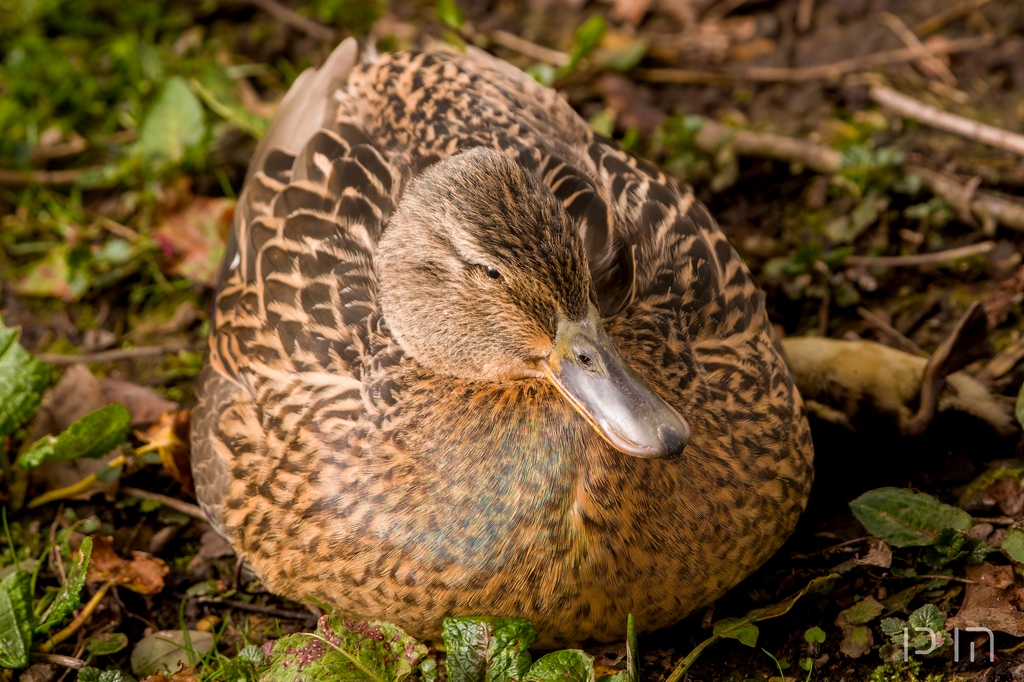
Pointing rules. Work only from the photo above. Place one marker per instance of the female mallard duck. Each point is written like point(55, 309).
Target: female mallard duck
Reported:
point(469, 357)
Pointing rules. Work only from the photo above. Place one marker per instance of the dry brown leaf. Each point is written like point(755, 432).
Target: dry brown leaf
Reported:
point(169, 437)
point(193, 238)
point(145, 404)
point(76, 394)
point(991, 601)
point(1005, 493)
point(879, 554)
point(144, 573)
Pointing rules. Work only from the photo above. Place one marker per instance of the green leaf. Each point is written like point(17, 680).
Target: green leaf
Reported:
point(449, 13)
point(928, 616)
point(814, 634)
point(347, 650)
point(1013, 544)
point(740, 629)
point(862, 612)
point(174, 128)
point(22, 381)
point(16, 619)
point(92, 436)
point(1020, 406)
point(68, 598)
point(487, 649)
point(106, 644)
point(904, 518)
point(632, 662)
point(569, 665)
point(893, 626)
point(585, 40)
point(89, 674)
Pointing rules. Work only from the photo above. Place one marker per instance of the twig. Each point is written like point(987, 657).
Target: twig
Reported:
point(958, 125)
point(17, 178)
point(57, 659)
point(524, 47)
point(961, 9)
point(256, 608)
point(818, 158)
point(884, 327)
point(984, 205)
point(116, 354)
point(910, 39)
point(804, 13)
point(193, 510)
point(809, 73)
point(294, 19)
point(921, 258)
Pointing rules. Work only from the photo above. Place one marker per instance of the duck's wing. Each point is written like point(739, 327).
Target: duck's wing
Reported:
point(296, 306)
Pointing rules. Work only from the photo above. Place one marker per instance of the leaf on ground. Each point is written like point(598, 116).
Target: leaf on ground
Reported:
point(169, 437)
point(903, 518)
point(740, 629)
point(69, 597)
point(857, 637)
point(864, 611)
point(143, 574)
point(76, 394)
point(174, 128)
point(90, 674)
point(1013, 544)
point(144, 404)
point(164, 650)
point(991, 600)
point(814, 635)
point(22, 381)
point(92, 436)
point(106, 643)
point(487, 649)
point(344, 649)
point(569, 665)
point(193, 238)
point(857, 641)
point(16, 619)
point(52, 276)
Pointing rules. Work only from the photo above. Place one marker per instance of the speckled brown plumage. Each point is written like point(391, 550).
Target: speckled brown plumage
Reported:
point(342, 468)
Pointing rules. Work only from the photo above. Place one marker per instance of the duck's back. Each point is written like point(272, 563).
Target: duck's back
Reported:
point(306, 391)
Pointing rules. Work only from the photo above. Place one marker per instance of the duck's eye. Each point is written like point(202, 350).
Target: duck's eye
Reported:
point(491, 272)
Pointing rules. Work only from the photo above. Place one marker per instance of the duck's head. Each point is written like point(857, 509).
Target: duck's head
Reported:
point(483, 276)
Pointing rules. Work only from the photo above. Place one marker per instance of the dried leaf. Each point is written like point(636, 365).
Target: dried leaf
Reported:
point(144, 404)
point(143, 574)
point(169, 437)
point(193, 238)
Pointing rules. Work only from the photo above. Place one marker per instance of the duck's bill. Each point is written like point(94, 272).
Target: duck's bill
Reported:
point(610, 395)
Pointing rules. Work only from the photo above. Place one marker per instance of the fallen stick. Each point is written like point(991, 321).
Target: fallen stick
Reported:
point(186, 508)
point(769, 74)
point(921, 258)
point(114, 354)
point(958, 125)
point(983, 205)
point(292, 18)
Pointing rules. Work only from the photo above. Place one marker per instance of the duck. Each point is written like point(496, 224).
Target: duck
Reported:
point(469, 357)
